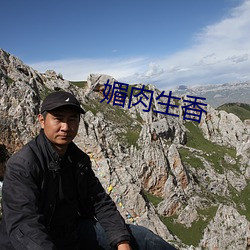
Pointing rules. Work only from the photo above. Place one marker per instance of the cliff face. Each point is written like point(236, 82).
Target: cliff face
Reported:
point(186, 181)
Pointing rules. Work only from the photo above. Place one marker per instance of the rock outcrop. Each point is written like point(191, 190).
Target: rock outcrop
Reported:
point(228, 230)
point(156, 167)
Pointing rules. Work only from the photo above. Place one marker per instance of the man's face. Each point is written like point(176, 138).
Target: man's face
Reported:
point(60, 125)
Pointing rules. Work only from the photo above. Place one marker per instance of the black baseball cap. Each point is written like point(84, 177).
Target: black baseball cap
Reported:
point(59, 99)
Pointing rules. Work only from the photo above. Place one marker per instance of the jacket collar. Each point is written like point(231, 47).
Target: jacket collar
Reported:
point(53, 158)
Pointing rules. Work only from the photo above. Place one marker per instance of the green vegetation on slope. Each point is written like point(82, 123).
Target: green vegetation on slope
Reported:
point(120, 118)
point(44, 92)
point(242, 110)
point(9, 80)
point(155, 200)
point(211, 152)
point(80, 84)
point(199, 148)
point(190, 235)
point(242, 201)
point(180, 230)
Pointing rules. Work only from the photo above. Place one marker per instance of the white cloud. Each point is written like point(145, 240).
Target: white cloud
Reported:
point(80, 69)
point(220, 54)
point(238, 58)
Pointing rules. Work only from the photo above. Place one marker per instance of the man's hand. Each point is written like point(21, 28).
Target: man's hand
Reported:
point(124, 246)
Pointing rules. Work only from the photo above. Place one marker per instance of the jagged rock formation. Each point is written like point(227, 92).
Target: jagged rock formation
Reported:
point(156, 167)
point(228, 228)
point(227, 130)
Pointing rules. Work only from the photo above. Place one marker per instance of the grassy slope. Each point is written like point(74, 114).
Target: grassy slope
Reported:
point(215, 155)
point(80, 84)
point(211, 152)
point(242, 110)
point(120, 118)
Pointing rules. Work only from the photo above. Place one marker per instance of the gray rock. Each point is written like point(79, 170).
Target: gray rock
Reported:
point(228, 230)
point(153, 163)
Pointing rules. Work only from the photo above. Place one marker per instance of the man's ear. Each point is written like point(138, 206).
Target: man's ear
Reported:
point(41, 120)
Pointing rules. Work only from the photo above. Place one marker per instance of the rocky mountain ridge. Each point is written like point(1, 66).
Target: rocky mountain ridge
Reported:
point(186, 181)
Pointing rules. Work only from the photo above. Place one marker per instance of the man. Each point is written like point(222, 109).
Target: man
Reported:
point(51, 197)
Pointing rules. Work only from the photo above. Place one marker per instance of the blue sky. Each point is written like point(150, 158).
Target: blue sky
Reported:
point(163, 42)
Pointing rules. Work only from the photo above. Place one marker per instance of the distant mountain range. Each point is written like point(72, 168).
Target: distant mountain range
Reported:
point(218, 94)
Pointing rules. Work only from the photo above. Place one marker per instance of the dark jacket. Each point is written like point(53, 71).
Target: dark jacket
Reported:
point(30, 191)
